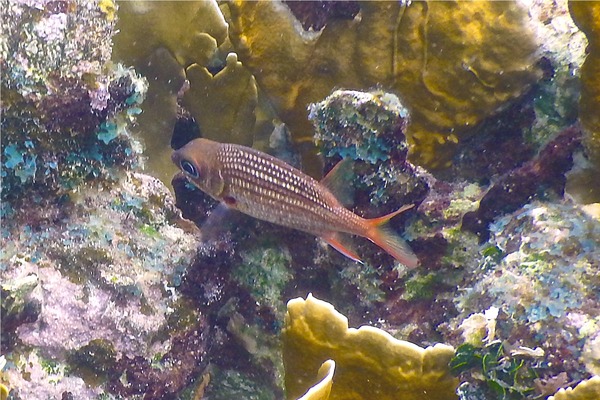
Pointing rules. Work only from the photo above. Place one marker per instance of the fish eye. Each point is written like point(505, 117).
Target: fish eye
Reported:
point(189, 169)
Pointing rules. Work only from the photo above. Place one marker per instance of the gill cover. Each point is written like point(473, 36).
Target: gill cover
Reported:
point(198, 161)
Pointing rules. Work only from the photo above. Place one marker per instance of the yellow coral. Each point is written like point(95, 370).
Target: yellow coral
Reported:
point(452, 63)
point(189, 30)
point(369, 363)
point(586, 390)
point(586, 15)
point(168, 42)
point(108, 7)
point(223, 104)
point(322, 389)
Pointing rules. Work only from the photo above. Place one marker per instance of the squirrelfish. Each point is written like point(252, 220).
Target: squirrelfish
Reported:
point(267, 188)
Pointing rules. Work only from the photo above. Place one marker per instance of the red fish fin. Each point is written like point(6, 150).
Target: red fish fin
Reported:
point(382, 220)
point(339, 182)
point(335, 240)
point(385, 237)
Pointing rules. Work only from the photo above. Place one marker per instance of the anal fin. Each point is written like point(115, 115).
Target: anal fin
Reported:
point(341, 244)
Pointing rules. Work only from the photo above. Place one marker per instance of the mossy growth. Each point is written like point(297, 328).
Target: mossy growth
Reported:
point(56, 142)
point(18, 305)
point(229, 384)
point(81, 265)
point(94, 362)
point(367, 127)
point(264, 272)
point(462, 246)
point(420, 287)
point(366, 279)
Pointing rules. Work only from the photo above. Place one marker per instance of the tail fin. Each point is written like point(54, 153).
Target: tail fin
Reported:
point(384, 237)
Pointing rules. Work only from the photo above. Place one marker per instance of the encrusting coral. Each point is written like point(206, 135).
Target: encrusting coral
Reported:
point(369, 362)
point(104, 269)
point(450, 73)
point(65, 112)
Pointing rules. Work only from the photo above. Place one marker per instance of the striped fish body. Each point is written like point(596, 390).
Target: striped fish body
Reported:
point(267, 188)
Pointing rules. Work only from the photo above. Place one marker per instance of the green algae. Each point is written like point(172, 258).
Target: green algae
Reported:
point(230, 384)
point(420, 287)
point(94, 362)
point(264, 272)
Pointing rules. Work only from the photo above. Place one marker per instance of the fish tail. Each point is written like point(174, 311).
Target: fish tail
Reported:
point(385, 237)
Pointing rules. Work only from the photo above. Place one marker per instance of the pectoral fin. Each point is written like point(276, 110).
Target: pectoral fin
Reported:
point(218, 222)
point(335, 240)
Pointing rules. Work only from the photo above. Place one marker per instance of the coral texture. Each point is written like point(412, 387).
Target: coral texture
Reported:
point(105, 270)
point(369, 362)
point(445, 70)
point(586, 15)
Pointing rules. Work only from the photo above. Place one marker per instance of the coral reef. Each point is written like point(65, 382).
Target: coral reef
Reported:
point(53, 47)
point(145, 26)
point(368, 361)
point(368, 128)
point(230, 94)
point(418, 305)
point(104, 271)
point(586, 390)
point(422, 51)
point(543, 285)
point(183, 50)
point(587, 16)
point(108, 293)
point(65, 113)
point(517, 187)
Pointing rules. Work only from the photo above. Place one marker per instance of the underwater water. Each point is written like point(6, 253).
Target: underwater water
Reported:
point(300, 200)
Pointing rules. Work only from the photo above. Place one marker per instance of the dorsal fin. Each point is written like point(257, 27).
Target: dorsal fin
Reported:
point(339, 182)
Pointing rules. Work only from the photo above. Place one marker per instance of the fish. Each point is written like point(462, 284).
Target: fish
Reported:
point(266, 188)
